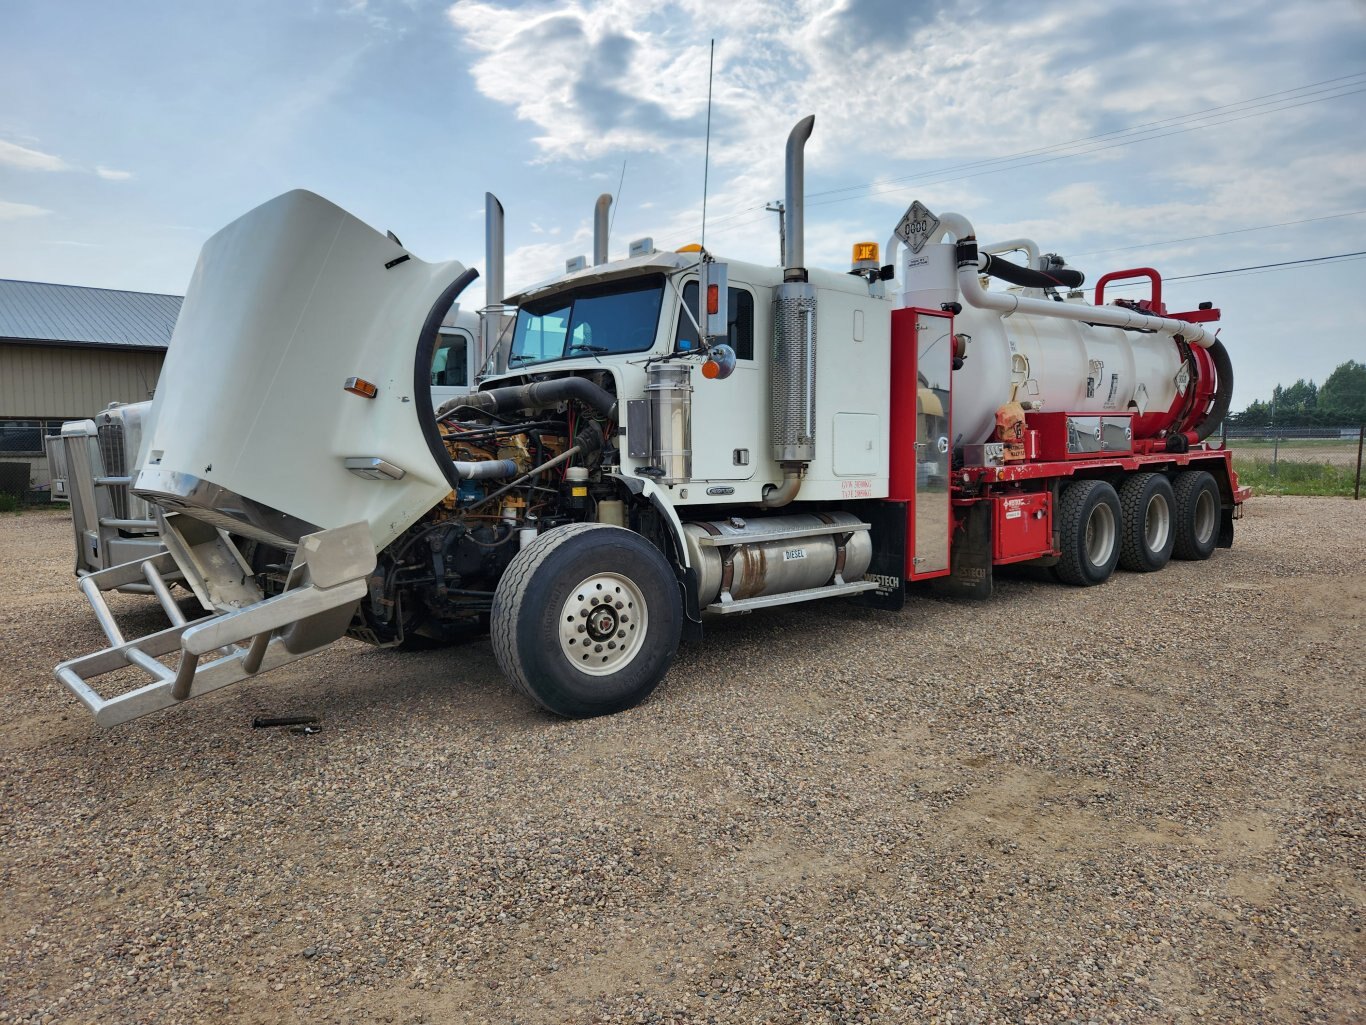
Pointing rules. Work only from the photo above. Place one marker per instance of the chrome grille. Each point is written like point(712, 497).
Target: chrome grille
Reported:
point(115, 459)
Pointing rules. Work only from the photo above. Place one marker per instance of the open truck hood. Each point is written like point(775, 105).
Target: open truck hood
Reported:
point(251, 426)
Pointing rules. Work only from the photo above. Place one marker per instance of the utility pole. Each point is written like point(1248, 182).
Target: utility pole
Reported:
point(1275, 436)
point(1361, 443)
point(776, 207)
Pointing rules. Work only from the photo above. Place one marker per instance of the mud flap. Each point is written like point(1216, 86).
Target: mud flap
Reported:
point(888, 566)
point(1225, 529)
point(970, 559)
point(692, 609)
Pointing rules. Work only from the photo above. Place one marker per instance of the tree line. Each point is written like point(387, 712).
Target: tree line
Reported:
point(1339, 402)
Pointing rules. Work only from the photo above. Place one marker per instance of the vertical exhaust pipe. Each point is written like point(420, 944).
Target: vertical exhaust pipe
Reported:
point(493, 250)
point(600, 212)
point(494, 289)
point(795, 214)
point(792, 377)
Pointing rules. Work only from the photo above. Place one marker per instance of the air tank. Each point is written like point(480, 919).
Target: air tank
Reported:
point(1057, 365)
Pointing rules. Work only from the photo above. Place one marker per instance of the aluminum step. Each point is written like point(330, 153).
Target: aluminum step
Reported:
point(769, 601)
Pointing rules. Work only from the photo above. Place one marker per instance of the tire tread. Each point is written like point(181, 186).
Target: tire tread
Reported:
point(1073, 509)
point(1133, 501)
point(1185, 487)
point(507, 599)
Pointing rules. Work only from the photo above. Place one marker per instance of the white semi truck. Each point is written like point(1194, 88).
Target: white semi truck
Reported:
point(655, 440)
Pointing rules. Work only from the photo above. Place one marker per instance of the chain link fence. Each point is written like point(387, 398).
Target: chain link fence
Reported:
point(1298, 460)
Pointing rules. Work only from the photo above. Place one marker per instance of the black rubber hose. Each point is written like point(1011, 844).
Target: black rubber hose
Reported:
point(543, 393)
point(422, 374)
point(1059, 277)
point(1223, 391)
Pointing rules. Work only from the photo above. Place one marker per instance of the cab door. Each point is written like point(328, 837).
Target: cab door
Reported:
point(728, 417)
point(451, 371)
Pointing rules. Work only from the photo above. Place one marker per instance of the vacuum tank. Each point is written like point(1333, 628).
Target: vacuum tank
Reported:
point(1069, 356)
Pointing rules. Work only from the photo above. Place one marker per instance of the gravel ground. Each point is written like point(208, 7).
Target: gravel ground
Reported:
point(1136, 803)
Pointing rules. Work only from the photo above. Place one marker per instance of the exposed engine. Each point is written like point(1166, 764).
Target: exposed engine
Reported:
point(435, 583)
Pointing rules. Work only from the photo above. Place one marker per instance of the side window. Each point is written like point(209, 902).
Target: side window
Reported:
point(24, 437)
point(448, 362)
point(741, 323)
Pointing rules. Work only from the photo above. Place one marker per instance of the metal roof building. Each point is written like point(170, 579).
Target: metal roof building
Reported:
point(67, 351)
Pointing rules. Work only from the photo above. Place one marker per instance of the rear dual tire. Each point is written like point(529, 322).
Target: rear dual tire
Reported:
point(1148, 510)
point(1088, 519)
point(1199, 508)
point(1144, 525)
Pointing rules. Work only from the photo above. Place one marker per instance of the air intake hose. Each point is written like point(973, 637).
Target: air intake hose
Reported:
point(1058, 277)
point(542, 393)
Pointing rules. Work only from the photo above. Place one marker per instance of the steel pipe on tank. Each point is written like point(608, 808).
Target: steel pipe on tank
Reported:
point(1026, 245)
point(1007, 303)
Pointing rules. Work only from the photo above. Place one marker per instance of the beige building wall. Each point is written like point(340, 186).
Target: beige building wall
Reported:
point(48, 382)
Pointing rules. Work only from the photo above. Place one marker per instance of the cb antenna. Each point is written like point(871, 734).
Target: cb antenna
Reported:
point(617, 201)
point(706, 159)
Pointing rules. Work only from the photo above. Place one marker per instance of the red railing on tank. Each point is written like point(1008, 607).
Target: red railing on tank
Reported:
point(1155, 302)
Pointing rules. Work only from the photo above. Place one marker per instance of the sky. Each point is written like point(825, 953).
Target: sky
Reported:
point(1189, 137)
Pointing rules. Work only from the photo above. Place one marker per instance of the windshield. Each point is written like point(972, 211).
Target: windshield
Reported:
point(609, 318)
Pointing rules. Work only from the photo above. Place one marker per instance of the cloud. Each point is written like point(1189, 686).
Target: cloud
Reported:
point(541, 260)
point(594, 79)
point(27, 159)
point(20, 211)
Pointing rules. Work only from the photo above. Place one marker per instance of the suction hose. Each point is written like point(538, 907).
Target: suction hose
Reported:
point(1223, 391)
point(1059, 277)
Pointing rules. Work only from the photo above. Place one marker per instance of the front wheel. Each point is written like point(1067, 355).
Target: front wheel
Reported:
point(586, 620)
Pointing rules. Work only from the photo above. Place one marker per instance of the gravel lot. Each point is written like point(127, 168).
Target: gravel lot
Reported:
point(1141, 802)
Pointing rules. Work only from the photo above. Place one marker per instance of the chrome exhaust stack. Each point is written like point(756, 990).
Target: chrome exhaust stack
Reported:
point(795, 205)
point(793, 377)
point(490, 316)
point(600, 225)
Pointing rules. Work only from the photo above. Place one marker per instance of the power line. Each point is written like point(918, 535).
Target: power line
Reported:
point(1255, 273)
point(1326, 85)
point(1147, 132)
point(1221, 234)
point(1086, 152)
point(1239, 270)
point(1266, 266)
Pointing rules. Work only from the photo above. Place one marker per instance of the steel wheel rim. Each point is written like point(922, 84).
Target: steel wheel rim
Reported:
point(1100, 534)
point(1157, 523)
point(603, 624)
point(1204, 517)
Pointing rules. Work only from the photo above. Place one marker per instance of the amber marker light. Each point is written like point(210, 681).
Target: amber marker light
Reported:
point(865, 252)
point(711, 370)
point(360, 386)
